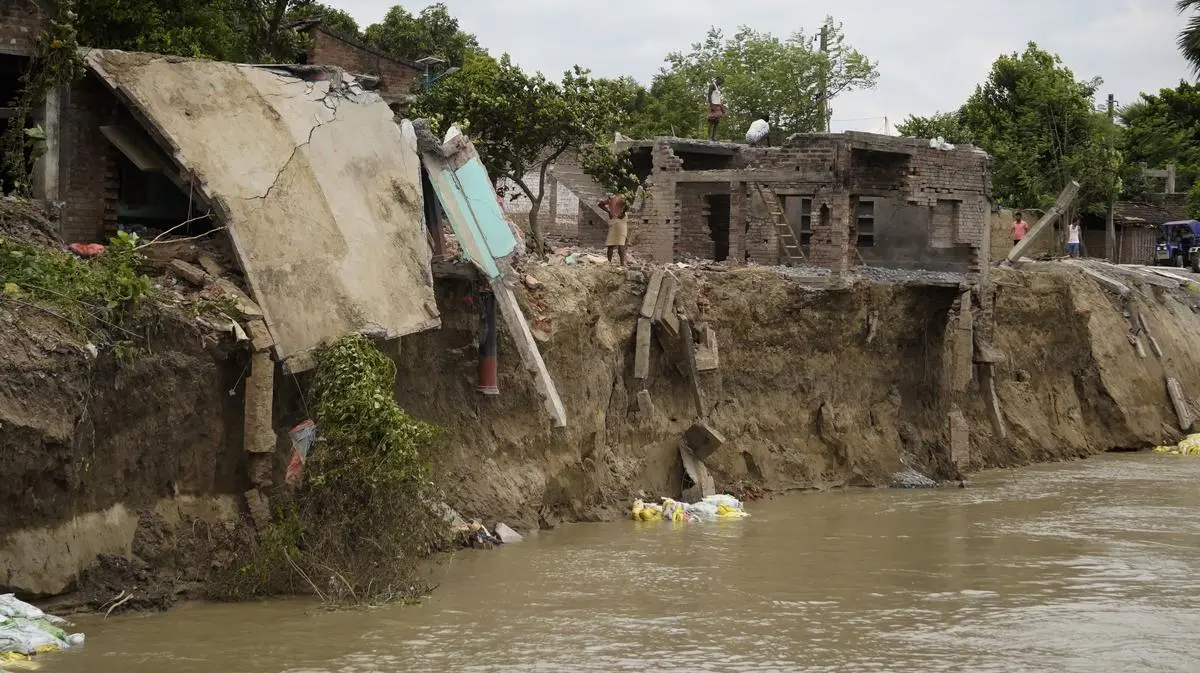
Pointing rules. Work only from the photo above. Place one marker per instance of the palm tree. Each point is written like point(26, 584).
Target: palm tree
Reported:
point(1189, 37)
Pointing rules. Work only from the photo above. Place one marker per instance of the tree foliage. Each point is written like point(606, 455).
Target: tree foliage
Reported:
point(521, 123)
point(764, 75)
point(1189, 37)
point(1161, 129)
point(432, 32)
point(946, 125)
point(1041, 127)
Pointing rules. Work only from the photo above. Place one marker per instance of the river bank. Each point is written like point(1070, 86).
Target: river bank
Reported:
point(129, 472)
point(1085, 567)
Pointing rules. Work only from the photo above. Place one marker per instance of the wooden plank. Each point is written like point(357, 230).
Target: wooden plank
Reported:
point(641, 358)
point(689, 364)
point(1182, 410)
point(650, 299)
point(1154, 346)
point(1065, 199)
point(518, 328)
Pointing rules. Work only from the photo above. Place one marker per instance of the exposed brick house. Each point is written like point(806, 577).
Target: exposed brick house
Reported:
point(79, 161)
point(397, 80)
point(848, 198)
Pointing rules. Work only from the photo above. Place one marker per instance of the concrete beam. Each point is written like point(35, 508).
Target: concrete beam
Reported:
point(1065, 199)
point(689, 363)
point(1182, 410)
point(641, 358)
point(650, 299)
point(259, 403)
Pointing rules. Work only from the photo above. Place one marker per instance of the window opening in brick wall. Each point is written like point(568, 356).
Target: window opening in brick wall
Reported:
point(719, 218)
point(864, 224)
point(11, 69)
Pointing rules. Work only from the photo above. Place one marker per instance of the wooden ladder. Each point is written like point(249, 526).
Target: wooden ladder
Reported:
point(788, 244)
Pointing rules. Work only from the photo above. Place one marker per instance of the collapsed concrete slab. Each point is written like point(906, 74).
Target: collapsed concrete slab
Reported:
point(318, 187)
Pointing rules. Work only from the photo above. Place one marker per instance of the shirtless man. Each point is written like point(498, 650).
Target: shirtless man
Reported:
point(618, 228)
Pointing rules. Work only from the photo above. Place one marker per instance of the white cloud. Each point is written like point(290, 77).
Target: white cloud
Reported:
point(931, 53)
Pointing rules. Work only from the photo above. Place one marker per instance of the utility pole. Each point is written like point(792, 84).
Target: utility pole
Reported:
point(1110, 228)
point(823, 82)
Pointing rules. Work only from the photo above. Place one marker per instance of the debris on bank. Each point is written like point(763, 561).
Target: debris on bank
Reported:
point(26, 630)
point(1188, 446)
point(711, 508)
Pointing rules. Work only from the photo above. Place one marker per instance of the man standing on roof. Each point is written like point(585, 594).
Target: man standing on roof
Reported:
point(716, 106)
point(618, 227)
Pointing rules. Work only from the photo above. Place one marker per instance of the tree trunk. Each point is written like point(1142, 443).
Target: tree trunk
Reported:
point(535, 228)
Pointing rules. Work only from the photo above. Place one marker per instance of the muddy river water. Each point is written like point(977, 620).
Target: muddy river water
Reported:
point(1091, 566)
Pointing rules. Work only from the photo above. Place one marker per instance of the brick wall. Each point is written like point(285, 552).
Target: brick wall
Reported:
point(830, 245)
point(329, 49)
point(761, 243)
point(89, 184)
point(20, 25)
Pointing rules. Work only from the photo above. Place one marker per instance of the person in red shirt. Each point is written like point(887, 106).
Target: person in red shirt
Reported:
point(1019, 229)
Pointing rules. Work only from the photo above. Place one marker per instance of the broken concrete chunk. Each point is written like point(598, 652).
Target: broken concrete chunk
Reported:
point(506, 534)
point(645, 404)
point(697, 473)
point(210, 266)
point(706, 353)
point(532, 283)
point(703, 439)
point(260, 509)
point(244, 304)
point(260, 337)
point(191, 273)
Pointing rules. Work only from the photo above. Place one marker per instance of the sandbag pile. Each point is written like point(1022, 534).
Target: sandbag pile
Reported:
point(710, 508)
point(25, 631)
point(1188, 446)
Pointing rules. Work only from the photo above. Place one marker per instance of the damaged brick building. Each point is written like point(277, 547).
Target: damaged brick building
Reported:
point(831, 200)
point(100, 168)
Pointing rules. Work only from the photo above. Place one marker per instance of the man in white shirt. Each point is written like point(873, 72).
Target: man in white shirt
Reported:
point(759, 130)
point(1073, 241)
point(716, 106)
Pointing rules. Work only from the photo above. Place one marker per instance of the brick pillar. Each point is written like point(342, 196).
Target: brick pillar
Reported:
point(737, 222)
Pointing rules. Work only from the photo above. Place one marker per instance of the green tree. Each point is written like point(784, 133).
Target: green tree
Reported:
point(1189, 37)
point(1041, 126)
point(229, 30)
point(1161, 129)
point(946, 125)
point(432, 32)
point(764, 75)
point(522, 123)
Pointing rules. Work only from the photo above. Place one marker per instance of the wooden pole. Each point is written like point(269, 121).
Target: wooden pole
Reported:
point(1047, 221)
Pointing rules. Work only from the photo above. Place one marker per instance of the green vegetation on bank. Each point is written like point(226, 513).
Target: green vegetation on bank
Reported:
point(359, 527)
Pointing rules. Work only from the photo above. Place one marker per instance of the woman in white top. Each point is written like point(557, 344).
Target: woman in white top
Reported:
point(1073, 238)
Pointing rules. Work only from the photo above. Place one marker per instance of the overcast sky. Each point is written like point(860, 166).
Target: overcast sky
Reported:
point(931, 53)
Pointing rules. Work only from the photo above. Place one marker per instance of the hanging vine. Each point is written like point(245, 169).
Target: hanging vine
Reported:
point(56, 61)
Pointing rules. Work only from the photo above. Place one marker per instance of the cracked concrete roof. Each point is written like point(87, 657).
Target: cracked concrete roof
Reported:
point(319, 188)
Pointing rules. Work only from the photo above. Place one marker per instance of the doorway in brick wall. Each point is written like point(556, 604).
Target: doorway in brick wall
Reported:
point(719, 217)
point(11, 70)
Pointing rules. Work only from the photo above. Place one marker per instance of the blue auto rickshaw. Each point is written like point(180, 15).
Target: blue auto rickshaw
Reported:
point(1178, 244)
